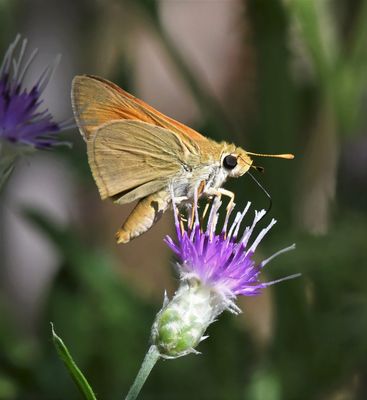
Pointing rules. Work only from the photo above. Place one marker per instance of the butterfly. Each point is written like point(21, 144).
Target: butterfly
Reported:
point(137, 153)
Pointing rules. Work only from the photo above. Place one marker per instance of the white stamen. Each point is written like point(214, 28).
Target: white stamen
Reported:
point(240, 220)
point(260, 237)
point(9, 55)
point(248, 232)
point(289, 248)
point(234, 224)
point(233, 307)
point(213, 217)
point(28, 63)
point(47, 74)
point(282, 279)
point(67, 124)
point(228, 214)
point(16, 64)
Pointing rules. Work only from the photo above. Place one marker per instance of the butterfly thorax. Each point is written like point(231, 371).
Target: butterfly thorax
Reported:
point(203, 170)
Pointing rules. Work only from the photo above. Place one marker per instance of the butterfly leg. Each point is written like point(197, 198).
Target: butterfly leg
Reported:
point(231, 196)
point(223, 192)
point(143, 216)
point(206, 208)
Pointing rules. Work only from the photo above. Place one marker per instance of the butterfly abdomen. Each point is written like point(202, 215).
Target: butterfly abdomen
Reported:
point(148, 211)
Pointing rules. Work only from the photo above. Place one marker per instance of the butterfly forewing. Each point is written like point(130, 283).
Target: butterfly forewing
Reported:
point(131, 159)
point(97, 101)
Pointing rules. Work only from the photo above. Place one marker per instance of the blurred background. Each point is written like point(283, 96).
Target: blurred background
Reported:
point(272, 76)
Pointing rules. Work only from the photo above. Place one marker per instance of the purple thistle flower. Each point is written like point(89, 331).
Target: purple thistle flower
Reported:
point(215, 267)
point(23, 118)
point(222, 261)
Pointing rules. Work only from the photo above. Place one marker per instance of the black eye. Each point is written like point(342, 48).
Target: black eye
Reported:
point(229, 162)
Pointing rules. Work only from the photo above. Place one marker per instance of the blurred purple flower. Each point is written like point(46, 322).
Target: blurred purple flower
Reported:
point(222, 261)
point(22, 121)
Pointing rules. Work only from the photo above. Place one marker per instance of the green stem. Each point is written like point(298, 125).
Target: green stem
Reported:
point(150, 360)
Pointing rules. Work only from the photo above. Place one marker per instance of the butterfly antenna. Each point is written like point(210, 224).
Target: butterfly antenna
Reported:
point(284, 156)
point(267, 194)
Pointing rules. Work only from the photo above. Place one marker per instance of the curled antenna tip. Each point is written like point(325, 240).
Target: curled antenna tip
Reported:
point(258, 168)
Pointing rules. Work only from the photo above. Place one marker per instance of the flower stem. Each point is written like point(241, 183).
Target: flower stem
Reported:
point(150, 360)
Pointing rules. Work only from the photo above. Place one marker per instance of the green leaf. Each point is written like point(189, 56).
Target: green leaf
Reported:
point(73, 369)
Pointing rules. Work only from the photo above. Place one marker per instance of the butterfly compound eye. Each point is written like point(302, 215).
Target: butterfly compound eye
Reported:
point(229, 162)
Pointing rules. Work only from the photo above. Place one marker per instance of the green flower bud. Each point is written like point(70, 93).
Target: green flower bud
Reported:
point(180, 326)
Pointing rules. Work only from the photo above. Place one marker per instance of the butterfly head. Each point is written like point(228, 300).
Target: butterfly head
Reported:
point(236, 163)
